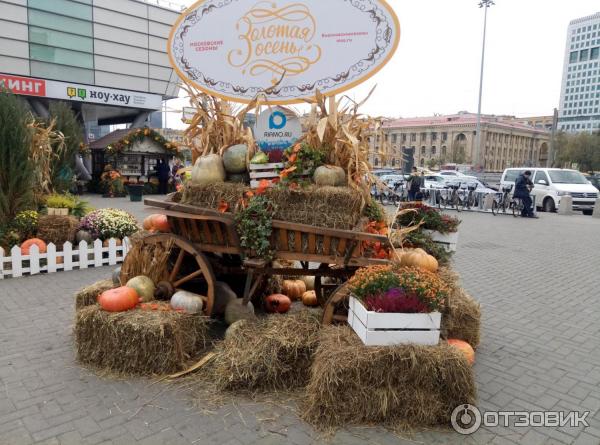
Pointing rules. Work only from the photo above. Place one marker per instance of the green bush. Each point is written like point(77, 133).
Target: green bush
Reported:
point(58, 201)
point(26, 224)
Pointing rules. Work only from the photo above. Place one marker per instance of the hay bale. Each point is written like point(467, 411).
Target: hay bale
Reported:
point(269, 354)
point(397, 386)
point(57, 229)
point(147, 260)
point(462, 316)
point(331, 207)
point(88, 295)
point(138, 342)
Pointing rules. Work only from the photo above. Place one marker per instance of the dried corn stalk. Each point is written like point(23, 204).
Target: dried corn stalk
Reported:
point(47, 144)
point(216, 125)
point(345, 133)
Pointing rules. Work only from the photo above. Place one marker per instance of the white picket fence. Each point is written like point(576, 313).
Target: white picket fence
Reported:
point(85, 256)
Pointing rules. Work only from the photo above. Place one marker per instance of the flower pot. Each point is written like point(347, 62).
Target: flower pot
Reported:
point(385, 329)
point(57, 212)
point(448, 240)
point(136, 191)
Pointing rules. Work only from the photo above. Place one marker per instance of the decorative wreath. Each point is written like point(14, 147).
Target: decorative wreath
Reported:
point(140, 134)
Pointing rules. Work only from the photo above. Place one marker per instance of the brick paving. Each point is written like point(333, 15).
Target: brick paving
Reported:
point(538, 283)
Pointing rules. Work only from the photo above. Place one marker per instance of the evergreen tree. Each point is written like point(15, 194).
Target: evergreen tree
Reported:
point(16, 169)
point(63, 166)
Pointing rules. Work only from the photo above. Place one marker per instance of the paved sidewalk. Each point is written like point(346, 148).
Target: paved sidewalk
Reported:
point(538, 282)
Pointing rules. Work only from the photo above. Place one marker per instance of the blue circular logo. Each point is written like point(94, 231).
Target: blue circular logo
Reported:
point(281, 118)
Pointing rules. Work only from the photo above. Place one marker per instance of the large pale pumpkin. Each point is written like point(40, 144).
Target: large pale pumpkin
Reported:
point(187, 301)
point(463, 347)
point(119, 299)
point(420, 259)
point(208, 170)
point(293, 289)
point(330, 175)
point(234, 159)
point(144, 287)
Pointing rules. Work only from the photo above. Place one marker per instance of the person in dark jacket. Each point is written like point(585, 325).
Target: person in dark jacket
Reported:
point(523, 186)
point(163, 171)
point(414, 185)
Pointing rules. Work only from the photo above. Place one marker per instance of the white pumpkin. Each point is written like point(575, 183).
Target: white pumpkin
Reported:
point(208, 170)
point(188, 301)
point(309, 281)
point(235, 159)
point(330, 175)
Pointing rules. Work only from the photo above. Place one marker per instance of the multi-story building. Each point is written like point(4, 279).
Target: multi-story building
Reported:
point(545, 122)
point(580, 92)
point(107, 58)
point(425, 141)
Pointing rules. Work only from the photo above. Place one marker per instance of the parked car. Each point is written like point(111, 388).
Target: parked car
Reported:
point(552, 184)
point(435, 181)
point(466, 181)
point(594, 180)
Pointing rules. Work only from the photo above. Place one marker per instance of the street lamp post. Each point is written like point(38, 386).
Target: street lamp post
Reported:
point(477, 161)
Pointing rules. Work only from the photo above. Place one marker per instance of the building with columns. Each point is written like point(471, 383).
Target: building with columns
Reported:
point(423, 141)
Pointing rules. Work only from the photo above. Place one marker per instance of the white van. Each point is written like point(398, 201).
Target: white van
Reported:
point(551, 184)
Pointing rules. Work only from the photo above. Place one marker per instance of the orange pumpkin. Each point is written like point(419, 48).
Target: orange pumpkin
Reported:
point(310, 298)
point(463, 347)
point(293, 289)
point(277, 303)
point(418, 258)
point(26, 246)
point(119, 299)
point(157, 223)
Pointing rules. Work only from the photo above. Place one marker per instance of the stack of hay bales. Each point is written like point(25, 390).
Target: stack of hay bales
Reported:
point(396, 386)
point(272, 353)
point(138, 342)
point(329, 207)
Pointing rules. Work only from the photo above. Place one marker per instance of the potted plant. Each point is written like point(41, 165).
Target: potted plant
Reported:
point(396, 305)
point(59, 205)
point(442, 228)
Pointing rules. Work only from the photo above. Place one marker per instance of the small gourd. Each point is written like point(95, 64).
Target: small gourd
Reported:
point(119, 299)
point(309, 298)
point(420, 259)
point(144, 287)
point(188, 301)
point(293, 289)
point(277, 303)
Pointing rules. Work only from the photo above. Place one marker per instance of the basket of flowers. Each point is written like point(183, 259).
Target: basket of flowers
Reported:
point(396, 305)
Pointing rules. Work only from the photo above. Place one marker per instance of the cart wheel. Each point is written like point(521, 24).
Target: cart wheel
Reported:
point(340, 295)
point(186, 258)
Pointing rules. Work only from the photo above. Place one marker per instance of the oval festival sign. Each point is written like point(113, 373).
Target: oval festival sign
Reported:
point(236, 49)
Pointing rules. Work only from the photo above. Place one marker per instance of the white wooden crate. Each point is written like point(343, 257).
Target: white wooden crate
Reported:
point(259, 172)
point(377, 329)
point(447, 240)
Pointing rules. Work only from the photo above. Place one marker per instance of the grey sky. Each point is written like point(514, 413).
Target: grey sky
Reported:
point(436, 67)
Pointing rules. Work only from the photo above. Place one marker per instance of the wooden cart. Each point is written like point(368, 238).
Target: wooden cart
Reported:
point(205, 243)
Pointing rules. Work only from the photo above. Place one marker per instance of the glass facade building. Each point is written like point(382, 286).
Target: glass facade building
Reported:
point(109, 43)
point(580, 92)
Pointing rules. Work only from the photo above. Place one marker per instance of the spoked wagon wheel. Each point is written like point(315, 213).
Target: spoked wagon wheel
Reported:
point(336, 300)
point(186, 263)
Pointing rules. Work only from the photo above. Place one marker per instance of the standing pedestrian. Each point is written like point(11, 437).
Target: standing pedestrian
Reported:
point(523, 186)
point(162, 170)
point(414, 184)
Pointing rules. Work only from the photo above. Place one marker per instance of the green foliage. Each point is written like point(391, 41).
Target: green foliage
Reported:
point(306, 159)
point(26, 224)
point(374, 211)
point(58, 201)
point(16, 168)
point(255, 225)
point(81, 208)
point(581, 150)
point(63, 166)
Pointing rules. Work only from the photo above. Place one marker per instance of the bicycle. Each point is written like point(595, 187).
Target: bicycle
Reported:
point(504, 203)
point(517, 207)
point(455, 200)
point(471, 199)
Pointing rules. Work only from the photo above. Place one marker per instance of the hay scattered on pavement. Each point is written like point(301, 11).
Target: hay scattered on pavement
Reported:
point(270, 354)
point(138, 342)
point(88, 295)
point(397, 386)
